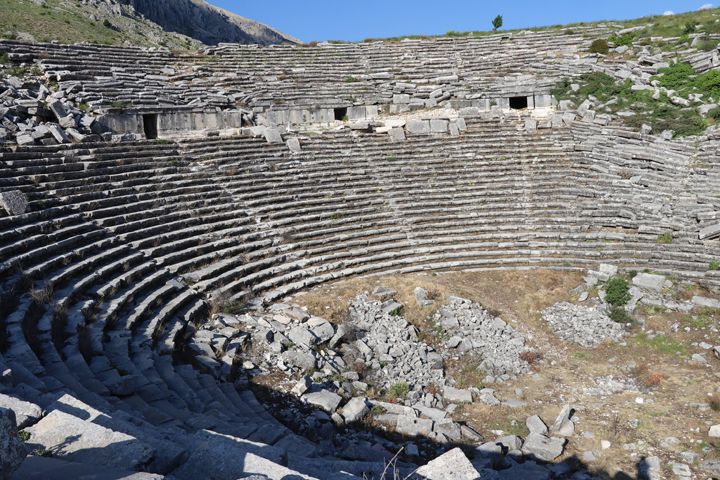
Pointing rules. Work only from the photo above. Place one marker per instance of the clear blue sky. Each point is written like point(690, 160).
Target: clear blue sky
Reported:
point(311, 20)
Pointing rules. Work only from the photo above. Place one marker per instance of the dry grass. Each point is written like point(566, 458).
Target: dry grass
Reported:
point(669, 384)
point(42, 296)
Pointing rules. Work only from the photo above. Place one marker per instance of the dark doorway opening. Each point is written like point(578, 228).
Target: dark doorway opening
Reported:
point(150, 126)
point(341, 114)
point(518, 103)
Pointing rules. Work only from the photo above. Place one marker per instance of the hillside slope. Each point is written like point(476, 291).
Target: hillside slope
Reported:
point(205, 22)
point(149, 23)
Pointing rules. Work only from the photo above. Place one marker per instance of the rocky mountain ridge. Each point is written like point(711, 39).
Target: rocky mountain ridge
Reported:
point(205, 22)
point(157, 23)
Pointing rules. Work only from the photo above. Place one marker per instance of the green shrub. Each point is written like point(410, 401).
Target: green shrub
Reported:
point(600, 85)
point(689, 28)
point(714, 265)
point(4, 58)
point(43, 452)
point(233, 307)
point(398, 390)
point(665, 239)
point(619, 315)
point(617, 291)
point(678, 76)
point(599, 46)
point(707, 44)
point(714, 113)
point(24, 435)
point(709, 84)
point(624, 40)
point(117, 104)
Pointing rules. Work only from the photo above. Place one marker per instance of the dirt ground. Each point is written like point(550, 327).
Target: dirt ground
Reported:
point(676, 397)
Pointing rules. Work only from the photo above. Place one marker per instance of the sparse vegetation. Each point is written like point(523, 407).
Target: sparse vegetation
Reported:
point(614, 96)
point(599, 46)
point(714, 402)
point(42, 296)
point(117, 104)
point(661, 343)
point(70, 22)
point(646, 377)
point(624, 40)
point(699, 320)
point(714, 265)
point(224, 304)
point(24, 435)
point(530, 357)
point(665, 239)
point(398, 390)
point(43, 452)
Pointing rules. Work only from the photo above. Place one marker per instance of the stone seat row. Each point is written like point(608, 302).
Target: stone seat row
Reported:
point(274, 223)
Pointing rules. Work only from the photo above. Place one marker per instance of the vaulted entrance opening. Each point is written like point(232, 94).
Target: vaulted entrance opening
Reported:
point(340, 113)
point(150, 125)
point(518, 103)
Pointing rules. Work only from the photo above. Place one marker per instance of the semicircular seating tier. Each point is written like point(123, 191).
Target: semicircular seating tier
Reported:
point(105, 278)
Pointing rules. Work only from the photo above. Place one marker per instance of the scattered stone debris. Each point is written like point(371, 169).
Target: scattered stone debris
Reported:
point(609, 385)
point(14, 202)
point(586, 326)
point(32, 114)
point(389, 346)
point(472, 330)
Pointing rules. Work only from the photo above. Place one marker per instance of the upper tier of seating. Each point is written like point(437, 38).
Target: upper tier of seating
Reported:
point(326, 75)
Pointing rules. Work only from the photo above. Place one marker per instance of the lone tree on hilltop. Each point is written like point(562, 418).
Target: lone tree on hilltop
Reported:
point(497, 23)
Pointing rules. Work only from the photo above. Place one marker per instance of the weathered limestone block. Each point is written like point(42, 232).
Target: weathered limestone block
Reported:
point(453, 465)
point(397, 134)
point(413, 426)
point(418, 127)
point(12, 448)
point(706, 302)
point(58, 133)
point(293, 144)
point(272, 135)
point(26, 413)
point(456, 395)
point(73, 439)
point(709, 232)
point(649, 281)
point(223, 457)
point(355, 409)
point(438, 125)
point(530, 124)
point(542, 447)
point(324, 399)
point(58, 109)
point(14, 202)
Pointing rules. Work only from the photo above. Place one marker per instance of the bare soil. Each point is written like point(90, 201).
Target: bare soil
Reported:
point(674, 392)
